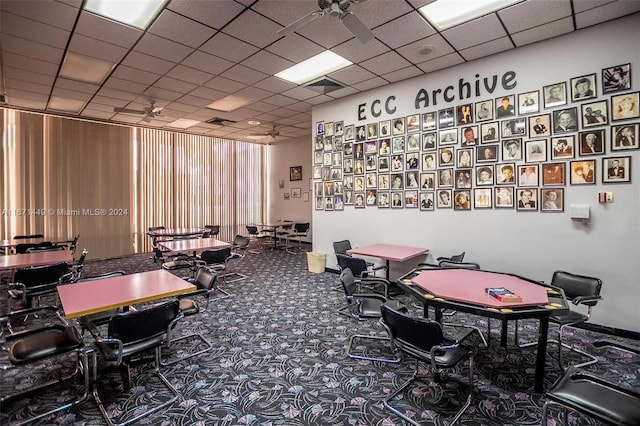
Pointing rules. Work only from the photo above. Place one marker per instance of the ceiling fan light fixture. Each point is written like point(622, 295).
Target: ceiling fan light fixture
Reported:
point(314, 67)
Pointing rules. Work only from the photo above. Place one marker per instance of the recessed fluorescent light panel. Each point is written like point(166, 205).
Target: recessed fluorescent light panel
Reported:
point(445, 14)
point(314, 67)
point(137, 13)
point(183, 123)
point(63, 104)
point(83, 68)
point(229, 103)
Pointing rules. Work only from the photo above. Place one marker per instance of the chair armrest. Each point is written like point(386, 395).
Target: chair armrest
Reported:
point(377, 268)
point(369, 296)
point(586, 300)
point(578, 374)
point(27, 311)
point(604, 343)
point(371, 280)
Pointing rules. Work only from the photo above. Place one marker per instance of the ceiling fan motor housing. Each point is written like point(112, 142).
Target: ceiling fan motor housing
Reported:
point(334, 7)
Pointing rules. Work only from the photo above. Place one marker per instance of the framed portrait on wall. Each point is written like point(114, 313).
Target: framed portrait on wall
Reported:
point(464, 114)
point(462, 200)
point(555, 95)
point(296, 192)
point(528, 175)
point(338, 128)
point(624, 137)
point(504, 197)
point(445, 118)
point(398, 126)
point(562, 147)
point(397, 199)
point(383, 200)
point(484, 175)
point(594, 114)
point(583, 88)
point(443, 200)
point(413, 123)
point(527, 199)
point(505, 107)
point(552, 200)
point(489, 132)
point(512, 149)
point(349, 132)
point(295, 173)
point(410, 199)
point(448, 137)
point(429, 121)
point(484, 110)
point(592, 142)
point(582, 172)
point(553, 174)
point(539, 126)
point(319, 204)
point(616, 170)
point(625, 106)
point(384, 128)
point(513, 127)
point(565, 120)
point(529, 102)
point(426, 201)
point(616, 78)
point(482, 198)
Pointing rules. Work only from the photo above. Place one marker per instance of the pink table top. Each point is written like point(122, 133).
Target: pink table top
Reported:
point(275, 224)
point(13, 242)
point(14, 261)
point(195, 245)
point(464, 285)
point(90, 297)
point(176, 232)
point(389, 251)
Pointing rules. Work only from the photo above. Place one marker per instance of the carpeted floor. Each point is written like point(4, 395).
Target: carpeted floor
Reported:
point(279, 358)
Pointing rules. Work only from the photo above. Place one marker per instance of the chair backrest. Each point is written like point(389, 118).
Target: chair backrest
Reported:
point(410, 333)
point(137, 326)
point(74, 243)
point(240, 242)
point(215, 257)
point(447, 264)
point(357, 264)
point(26, 237)
point(301, 228)
point(252, 230)
point(457, 257)
point(205, 279)
point(341, 247)
point(112, 274)
point(45, 248)
point(39, 275)
point(158, 255)
point(214, 229)
point(23, 247)
point(577, 285)
point(348, 283)
point(156, 228)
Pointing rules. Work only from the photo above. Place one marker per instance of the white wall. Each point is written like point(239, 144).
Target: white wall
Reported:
point(282, 155)
point(532, 244)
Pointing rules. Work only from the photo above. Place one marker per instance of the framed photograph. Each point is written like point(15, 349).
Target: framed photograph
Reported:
point(583, 87)
point(412, 160)
point(429, 141)
point(555, 95)
point(592, 142)
point(281, 184)
point(372, 131)
point(348, 198)
point(295, 173)
point(528, 175)
point(445, 178)
point(318, 157)
point(484, 175)
point(444, 199)
point(371, 180)
point(594, 114)
point(397, 200)
point(511, 149)
point(527, 199)
point(397, 145)
point(413, 142)
point(328, 128)
point(540, 126)
point(426, 201)
point(358, 167)
point(338, 143)
point(383, 164)
point(464, 157)
point(349, 132)
point(338, 202)
point(513, 127)
point(358, 184)
point(469, 135)
point(487, 153)
point(384, 181)
point(625, 107)
point(329, 188)
point(319, 204)
point(464, 114)
point(462, 200)
point(372, 198)
point(489, 132)
point(318, 187)
point(429, 121)
point(552, 200)
point(413, 123)
point(305, 197)
point(370, 147)
point(445, 157)
point(553, 174)
point(427, 181)
point(410, 199)
point(616, 78)
point(383, 200)
point(397, 162)
point(505, 106)
point(504, 197)
point(286, 196)
point(338, 128)
point(328, 204)
point(529, 102)
point(463, 179)
point(428, 161)
point(505, 174)
point(347, 149)
point(361, 133)
point(336, 173)
point(448, 137)
point(296, 192)
point(582, 172)
point(482, 198)
point(397, 180)
point(384, 128)
point(445, 118)
point(562, 148)
point(320, 128)
point(624, 137)
point(616, 169)
point(564, 120)
point(328, 144)
point(484, 110)
point(359, 200)
point(398, 126)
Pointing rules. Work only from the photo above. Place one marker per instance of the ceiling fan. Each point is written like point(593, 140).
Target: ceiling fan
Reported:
point(149, 112)
point(339, 8)
point(273, 133)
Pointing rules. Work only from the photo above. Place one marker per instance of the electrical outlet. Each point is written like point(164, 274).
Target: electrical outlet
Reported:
point(609, 197)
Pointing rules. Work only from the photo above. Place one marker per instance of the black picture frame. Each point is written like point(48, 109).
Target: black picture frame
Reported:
point(625, 106)
point(592, 142)
point(594, 114)
point(555, 95)
point(616, 78)
point(529, 102)
point(582, 172)
point(295, 173)
point(584, 87)
point(620, 173)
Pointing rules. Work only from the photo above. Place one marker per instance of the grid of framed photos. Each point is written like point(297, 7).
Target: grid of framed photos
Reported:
point(517, 151)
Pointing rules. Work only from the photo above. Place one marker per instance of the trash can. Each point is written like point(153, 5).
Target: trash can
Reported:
point(316, 261)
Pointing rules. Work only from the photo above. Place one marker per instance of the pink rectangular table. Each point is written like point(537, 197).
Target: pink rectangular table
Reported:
point(199, 244)
point(389, 252)
point(15, 261)
point(90, 297)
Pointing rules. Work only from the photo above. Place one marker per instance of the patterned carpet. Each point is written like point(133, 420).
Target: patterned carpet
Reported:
point(279, 358)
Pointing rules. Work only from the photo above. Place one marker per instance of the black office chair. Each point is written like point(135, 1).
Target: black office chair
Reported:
point(41, 249)
point(23, 247)
point(72, 244)
point(26, 237)
point(32, 283)
point(592, 395)
point(155, 240)
point(53, 344)
point(579, 290)
point(101, 318)
point(364, 306)
point(425, 341)
point(216, 260)
point(341, 247)
point(454, 258)
point(448, 264)
point(211, 230)
point(172, 263)
point(205, 282)
point(254, 235)
point(360, 269)
point(300, 231)
point(130, 334)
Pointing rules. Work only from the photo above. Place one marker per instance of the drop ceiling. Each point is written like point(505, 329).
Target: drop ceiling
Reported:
point(198, 51)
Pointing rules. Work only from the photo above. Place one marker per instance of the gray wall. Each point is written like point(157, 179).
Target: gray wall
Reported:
point(533, 244)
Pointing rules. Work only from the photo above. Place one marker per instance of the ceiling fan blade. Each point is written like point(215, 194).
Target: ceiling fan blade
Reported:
point(128, 111)
point(300, 22)
point(147, 119)
point(356, 26)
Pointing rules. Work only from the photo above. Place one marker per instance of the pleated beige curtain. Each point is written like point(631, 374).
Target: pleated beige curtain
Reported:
point(63, 177)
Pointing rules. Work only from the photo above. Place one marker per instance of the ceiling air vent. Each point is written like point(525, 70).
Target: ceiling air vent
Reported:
point(324, 85)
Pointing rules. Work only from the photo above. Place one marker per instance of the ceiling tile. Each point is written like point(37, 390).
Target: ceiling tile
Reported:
point(606, 12)
point(543, 32)
point(147, 63)
point(475, 32)
point(300, 93)
point(112, 32)
point(530, 14)
point(352, 74)
point(25, 102)
point(71, 94)
point(274, 84)
point(267, 62)
point(93, 113)
point(486, 49)
point(385, 63)
point(263, 30)
point(182, 30)
point(403, 74)
point(49, 12)
point(244, 74)
point(78, 86)
point(441, 62)
point(192, 75)
point(426, 49)
point(404, 30)
point(224, 84)
point(136, 75)
point(175, 85)
point(117, 94)
point(372, 83)
point(345, 91)
point(28, 76)
point(125, 85)
point(281, 100)
point(195, 101)
point(295, 48)
point(31, 30)
point(227, 47)
point(253, 93)
point(160, 93)
point(326, 31)
point(159, 47)
point(207, 63)
point(356, 52)
point(23, 62)
point(215, 14)
point(31, 49)
point(584, 5)
point(376, 13)
point(96, 49)
point(28, 86)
